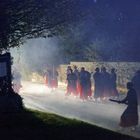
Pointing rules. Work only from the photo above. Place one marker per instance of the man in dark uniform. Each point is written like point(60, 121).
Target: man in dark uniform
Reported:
point(68, 68)
point(136, 82)
point(85, 84)
point(77, 73)
point(105, 78)
point(49, 77)
point(129, 117)
point(97, 83)
point(71, 80)
point(54, 80)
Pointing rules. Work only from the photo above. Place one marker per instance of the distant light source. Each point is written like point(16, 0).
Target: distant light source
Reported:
point(33, 80)
point(95, 1)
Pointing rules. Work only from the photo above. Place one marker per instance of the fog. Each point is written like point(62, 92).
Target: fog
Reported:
point(104, 114)
point(35, 55)
point(108, 32)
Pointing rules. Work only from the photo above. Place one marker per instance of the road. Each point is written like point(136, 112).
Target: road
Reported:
point(106, 115)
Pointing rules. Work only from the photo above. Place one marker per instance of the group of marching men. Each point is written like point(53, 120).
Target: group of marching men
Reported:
point(79, 83)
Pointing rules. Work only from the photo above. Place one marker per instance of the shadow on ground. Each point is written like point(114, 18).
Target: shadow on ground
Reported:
point(36, 125)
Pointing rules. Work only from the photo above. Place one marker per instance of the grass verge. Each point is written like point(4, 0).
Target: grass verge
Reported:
point(35, 125)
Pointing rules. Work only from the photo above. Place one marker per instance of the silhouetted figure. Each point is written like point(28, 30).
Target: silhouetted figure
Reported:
point(136, 82)
point(71, 82)
point(97, 83)
point(48, 77)
point(77, 73)
point(68, 68)
point(89, 84)
point(130, 115)
point(85, 84)
point(113, 85)
point(54, 79)
point(105, 79)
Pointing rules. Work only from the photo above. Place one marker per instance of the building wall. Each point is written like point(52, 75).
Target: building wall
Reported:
point(125, 70)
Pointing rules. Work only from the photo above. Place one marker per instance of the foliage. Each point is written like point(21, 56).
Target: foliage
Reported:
point(24, 19)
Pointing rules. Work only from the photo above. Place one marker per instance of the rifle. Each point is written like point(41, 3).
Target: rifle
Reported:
point(116, 101)
point(112, 100)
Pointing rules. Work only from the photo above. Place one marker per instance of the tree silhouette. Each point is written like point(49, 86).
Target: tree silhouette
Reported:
point(25, 19)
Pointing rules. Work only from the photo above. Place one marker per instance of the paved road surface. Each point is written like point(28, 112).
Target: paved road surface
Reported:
point(106, 115)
